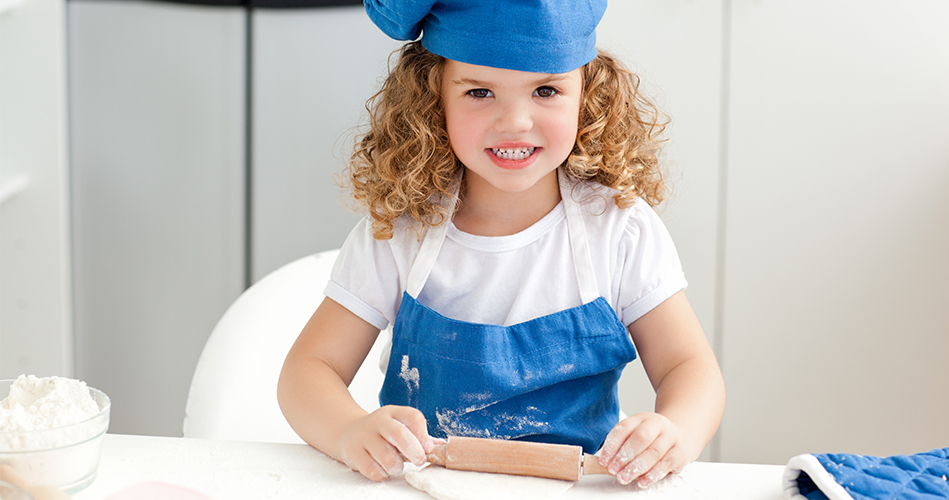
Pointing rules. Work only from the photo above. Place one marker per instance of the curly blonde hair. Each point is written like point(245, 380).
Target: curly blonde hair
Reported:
point(404, 164)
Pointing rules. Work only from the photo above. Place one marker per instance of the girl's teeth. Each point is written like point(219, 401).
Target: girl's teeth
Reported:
point(512, 154)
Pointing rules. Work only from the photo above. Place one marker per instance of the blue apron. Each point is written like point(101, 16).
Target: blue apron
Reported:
point(552, 379)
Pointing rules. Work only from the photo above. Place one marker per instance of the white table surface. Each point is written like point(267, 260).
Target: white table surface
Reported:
point(235, 470)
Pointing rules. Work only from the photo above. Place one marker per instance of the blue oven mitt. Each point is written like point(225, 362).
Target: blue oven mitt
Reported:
point(839, 476)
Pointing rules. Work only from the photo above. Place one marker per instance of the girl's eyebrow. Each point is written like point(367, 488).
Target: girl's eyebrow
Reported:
point(536, 83)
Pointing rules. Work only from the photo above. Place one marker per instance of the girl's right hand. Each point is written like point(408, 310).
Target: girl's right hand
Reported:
point(377, 445)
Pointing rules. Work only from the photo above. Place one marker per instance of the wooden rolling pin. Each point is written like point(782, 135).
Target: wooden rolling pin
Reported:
point(520, 458)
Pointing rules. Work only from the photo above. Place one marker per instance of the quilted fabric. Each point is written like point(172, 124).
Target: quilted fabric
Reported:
point(840, 476)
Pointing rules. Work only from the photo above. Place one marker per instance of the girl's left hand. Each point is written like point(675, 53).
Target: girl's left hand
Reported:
point(645, 446)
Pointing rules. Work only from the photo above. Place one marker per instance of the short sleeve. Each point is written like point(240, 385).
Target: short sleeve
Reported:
point(366, 277)
point(649, 270)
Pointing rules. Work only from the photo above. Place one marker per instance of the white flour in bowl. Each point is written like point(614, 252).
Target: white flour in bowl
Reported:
point(37, 404)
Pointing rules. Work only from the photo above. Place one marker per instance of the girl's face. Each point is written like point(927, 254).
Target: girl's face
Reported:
point(510, 128)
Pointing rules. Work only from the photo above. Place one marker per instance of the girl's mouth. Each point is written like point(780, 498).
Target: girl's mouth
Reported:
point(512, 153)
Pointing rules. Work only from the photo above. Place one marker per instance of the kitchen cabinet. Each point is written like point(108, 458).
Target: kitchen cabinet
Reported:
point(313, 70)
point(174, 211)
point(35, 291)
point(157, 168)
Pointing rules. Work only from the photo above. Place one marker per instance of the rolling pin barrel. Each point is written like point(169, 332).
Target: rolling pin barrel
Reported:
point(520, 458)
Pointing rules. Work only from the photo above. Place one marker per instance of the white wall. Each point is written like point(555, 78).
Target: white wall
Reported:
point(814, 219)
point(835, 318)
point(35, 294)
point(691, 44)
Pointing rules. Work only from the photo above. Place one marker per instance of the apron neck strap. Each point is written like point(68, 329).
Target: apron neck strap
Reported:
point(576, 230)
point(579, 244)
point(425, 260)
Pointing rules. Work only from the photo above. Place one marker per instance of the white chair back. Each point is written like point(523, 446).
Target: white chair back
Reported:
point(233, 393)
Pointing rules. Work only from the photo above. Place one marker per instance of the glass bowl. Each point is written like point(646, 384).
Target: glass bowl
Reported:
point(10, 491)
point(66, 457)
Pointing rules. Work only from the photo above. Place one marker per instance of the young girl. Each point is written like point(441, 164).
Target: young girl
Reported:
point(509, 173)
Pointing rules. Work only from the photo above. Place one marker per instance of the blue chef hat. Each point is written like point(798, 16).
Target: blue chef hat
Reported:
point(541, 36)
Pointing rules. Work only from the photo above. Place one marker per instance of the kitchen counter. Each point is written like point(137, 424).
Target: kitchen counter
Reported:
point(235, 470)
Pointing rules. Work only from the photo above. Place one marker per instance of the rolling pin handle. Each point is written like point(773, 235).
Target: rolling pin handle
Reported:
point(591, 465)
point(438, 455)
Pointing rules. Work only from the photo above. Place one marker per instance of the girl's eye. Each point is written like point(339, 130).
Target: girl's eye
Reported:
point(479, 93)
point(545, 92)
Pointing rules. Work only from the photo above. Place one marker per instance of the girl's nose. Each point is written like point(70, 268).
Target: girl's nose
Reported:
point(514, 117)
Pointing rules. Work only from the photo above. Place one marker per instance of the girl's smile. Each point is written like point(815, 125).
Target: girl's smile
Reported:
point(513, 157)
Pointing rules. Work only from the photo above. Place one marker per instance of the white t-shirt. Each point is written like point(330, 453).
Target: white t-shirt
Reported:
point(507, 280)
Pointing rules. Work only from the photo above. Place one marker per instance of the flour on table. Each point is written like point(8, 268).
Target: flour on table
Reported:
point(446, 484)
point(685, 485)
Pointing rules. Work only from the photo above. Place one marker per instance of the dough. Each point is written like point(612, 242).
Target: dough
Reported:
point(446, 484)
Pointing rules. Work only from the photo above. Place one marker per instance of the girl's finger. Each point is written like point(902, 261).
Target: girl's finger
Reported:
point(617, 438)
point(652, 477)
point(386, 458)
point(405, 442)
point(411, 435)
point(366, 465)
point(637, 442)
point(415, 422)
point(662, 468)
point(647, 459)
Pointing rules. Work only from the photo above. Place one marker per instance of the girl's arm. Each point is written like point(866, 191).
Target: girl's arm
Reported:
point(313, 395)
point(690, 397)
